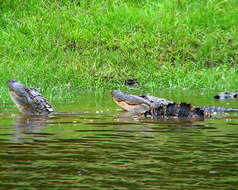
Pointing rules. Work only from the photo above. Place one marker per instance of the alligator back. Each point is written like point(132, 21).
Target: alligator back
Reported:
point(39, 104)
point(174, 110)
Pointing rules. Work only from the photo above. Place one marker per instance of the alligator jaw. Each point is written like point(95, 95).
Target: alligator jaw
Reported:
point(131, 103)
point(134, 108)
point(21, 106)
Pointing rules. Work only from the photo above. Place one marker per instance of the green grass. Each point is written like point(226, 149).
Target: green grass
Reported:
point(64, 46)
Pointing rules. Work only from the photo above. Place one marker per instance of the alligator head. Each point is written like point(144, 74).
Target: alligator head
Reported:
point(131, 103)
point(137, 104)
point(28, 100)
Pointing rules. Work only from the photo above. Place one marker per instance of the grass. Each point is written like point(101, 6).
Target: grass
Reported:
point(64, 46)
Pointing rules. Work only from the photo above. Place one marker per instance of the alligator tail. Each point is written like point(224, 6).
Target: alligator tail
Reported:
point(174, 110)
point(218, 109)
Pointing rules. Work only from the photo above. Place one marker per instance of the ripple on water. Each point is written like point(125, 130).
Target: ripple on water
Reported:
point(105, 150)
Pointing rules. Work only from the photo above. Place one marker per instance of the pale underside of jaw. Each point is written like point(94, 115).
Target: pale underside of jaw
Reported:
point(135, 108)
point(21, 106)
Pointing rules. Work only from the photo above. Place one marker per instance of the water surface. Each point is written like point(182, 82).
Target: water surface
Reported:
point(90, 144)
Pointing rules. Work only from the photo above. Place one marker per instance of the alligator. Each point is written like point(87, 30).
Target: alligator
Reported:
point(153, 107)
point(226, 95)
point(28, 100)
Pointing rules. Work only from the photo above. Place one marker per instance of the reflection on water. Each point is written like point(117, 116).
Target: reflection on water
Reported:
point(28, 128)
point(95, 146)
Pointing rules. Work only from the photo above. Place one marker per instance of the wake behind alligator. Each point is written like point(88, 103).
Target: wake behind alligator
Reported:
point(153, 107)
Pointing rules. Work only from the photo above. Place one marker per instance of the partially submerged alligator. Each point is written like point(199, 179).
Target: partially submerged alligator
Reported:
point(154, 107)
point(28, 100)
point(226, 95)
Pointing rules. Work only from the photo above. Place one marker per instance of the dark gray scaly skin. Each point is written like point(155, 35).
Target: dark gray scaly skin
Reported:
point(226, 95)
point(158, 107)
point(28, 100)
point(174, 110)
point(154, 101)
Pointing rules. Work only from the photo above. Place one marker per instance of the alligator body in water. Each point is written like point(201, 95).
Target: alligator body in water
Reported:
point(154, 107)
point(226, 95)
point(28, 100)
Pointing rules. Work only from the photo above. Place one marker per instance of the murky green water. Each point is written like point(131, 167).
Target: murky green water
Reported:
point(90, 144)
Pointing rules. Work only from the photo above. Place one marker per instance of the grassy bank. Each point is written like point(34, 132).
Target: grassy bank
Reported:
point(60, 45)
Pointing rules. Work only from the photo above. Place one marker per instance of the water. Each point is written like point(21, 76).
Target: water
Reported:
point(90, 144)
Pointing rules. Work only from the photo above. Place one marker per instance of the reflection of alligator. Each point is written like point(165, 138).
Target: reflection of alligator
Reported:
point(226, 95)
point(158, 108)
point(28, 128)
point(28, 100)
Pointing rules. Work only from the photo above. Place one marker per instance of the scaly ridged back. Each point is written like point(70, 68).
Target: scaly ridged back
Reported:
point(173, 110)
